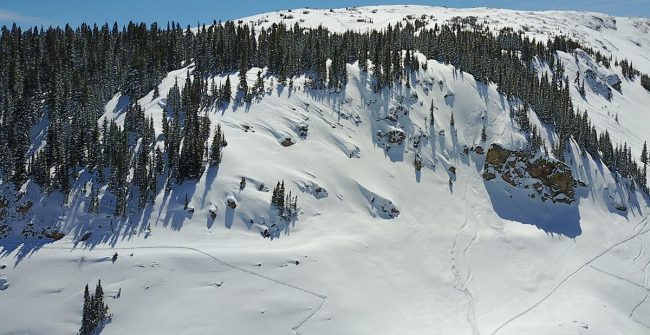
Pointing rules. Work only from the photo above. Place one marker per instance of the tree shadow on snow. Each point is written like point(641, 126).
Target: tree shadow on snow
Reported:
point(23, 248)
point(210, 176)
point(121, 106)
point(229, 217)
point(175, 217)
point(482, 90)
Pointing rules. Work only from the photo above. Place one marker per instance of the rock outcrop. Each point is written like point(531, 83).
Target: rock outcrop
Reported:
point(550, 179)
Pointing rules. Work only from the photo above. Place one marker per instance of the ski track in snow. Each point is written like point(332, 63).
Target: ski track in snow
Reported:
point(642, 223)
point(647, 294)
point(640, 251)
point(617, 277)
point(645, 273)
point(645, 282)
point(633, 283)
point(232, 266)
point(462, 284)
point(468, 279)
point(639, 224)
point(636, 307)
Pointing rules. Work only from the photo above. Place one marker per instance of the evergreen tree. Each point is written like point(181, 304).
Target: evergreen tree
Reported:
point(94, 201)
point(142, 175)
point(159, 161)
point(242, 87)
point(95, 310)
point(644, 160)
point(258, 88)
point(227, 91)
point(218, 141)
point(99, 307)
point(284, 203)
point(190, 164)
point(87, 324)
point(40, 171)
point(156, 92)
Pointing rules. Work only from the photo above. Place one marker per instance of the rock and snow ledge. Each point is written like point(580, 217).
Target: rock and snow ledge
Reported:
point(549, 179)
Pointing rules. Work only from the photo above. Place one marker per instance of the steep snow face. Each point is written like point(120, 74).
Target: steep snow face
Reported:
point(618, 37)
point(379, 246)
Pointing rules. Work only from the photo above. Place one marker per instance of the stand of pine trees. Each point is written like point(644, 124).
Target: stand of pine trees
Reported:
point(285, 204)
point(95, 310)
point(64, 76)
point(218, 142)
point(645, 82)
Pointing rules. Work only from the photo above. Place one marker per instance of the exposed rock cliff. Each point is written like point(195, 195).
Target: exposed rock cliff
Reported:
point(549, 178)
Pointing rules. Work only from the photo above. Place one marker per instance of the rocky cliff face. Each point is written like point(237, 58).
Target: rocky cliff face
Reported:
point(545, 177)
point(600, 79)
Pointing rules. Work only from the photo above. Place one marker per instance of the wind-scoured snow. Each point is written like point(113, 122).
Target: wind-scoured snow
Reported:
point(379, 247)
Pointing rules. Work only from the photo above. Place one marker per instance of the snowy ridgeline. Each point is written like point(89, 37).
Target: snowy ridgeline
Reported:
point(405, 224)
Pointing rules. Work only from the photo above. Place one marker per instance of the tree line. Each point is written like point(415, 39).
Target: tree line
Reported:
point(59, 79)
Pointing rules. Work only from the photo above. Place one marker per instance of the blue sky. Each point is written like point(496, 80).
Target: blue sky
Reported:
point(59, 12)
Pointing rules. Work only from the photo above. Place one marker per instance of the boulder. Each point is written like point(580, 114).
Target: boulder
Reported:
point(55, 235)
point(396, 136)
point(4, 284)
point(231, 202)
point(287, 142)
point(213, 212)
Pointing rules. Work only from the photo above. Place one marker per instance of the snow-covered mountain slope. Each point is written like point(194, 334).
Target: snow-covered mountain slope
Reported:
point(622, 37)
point(379, 246)
point(618, 37)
